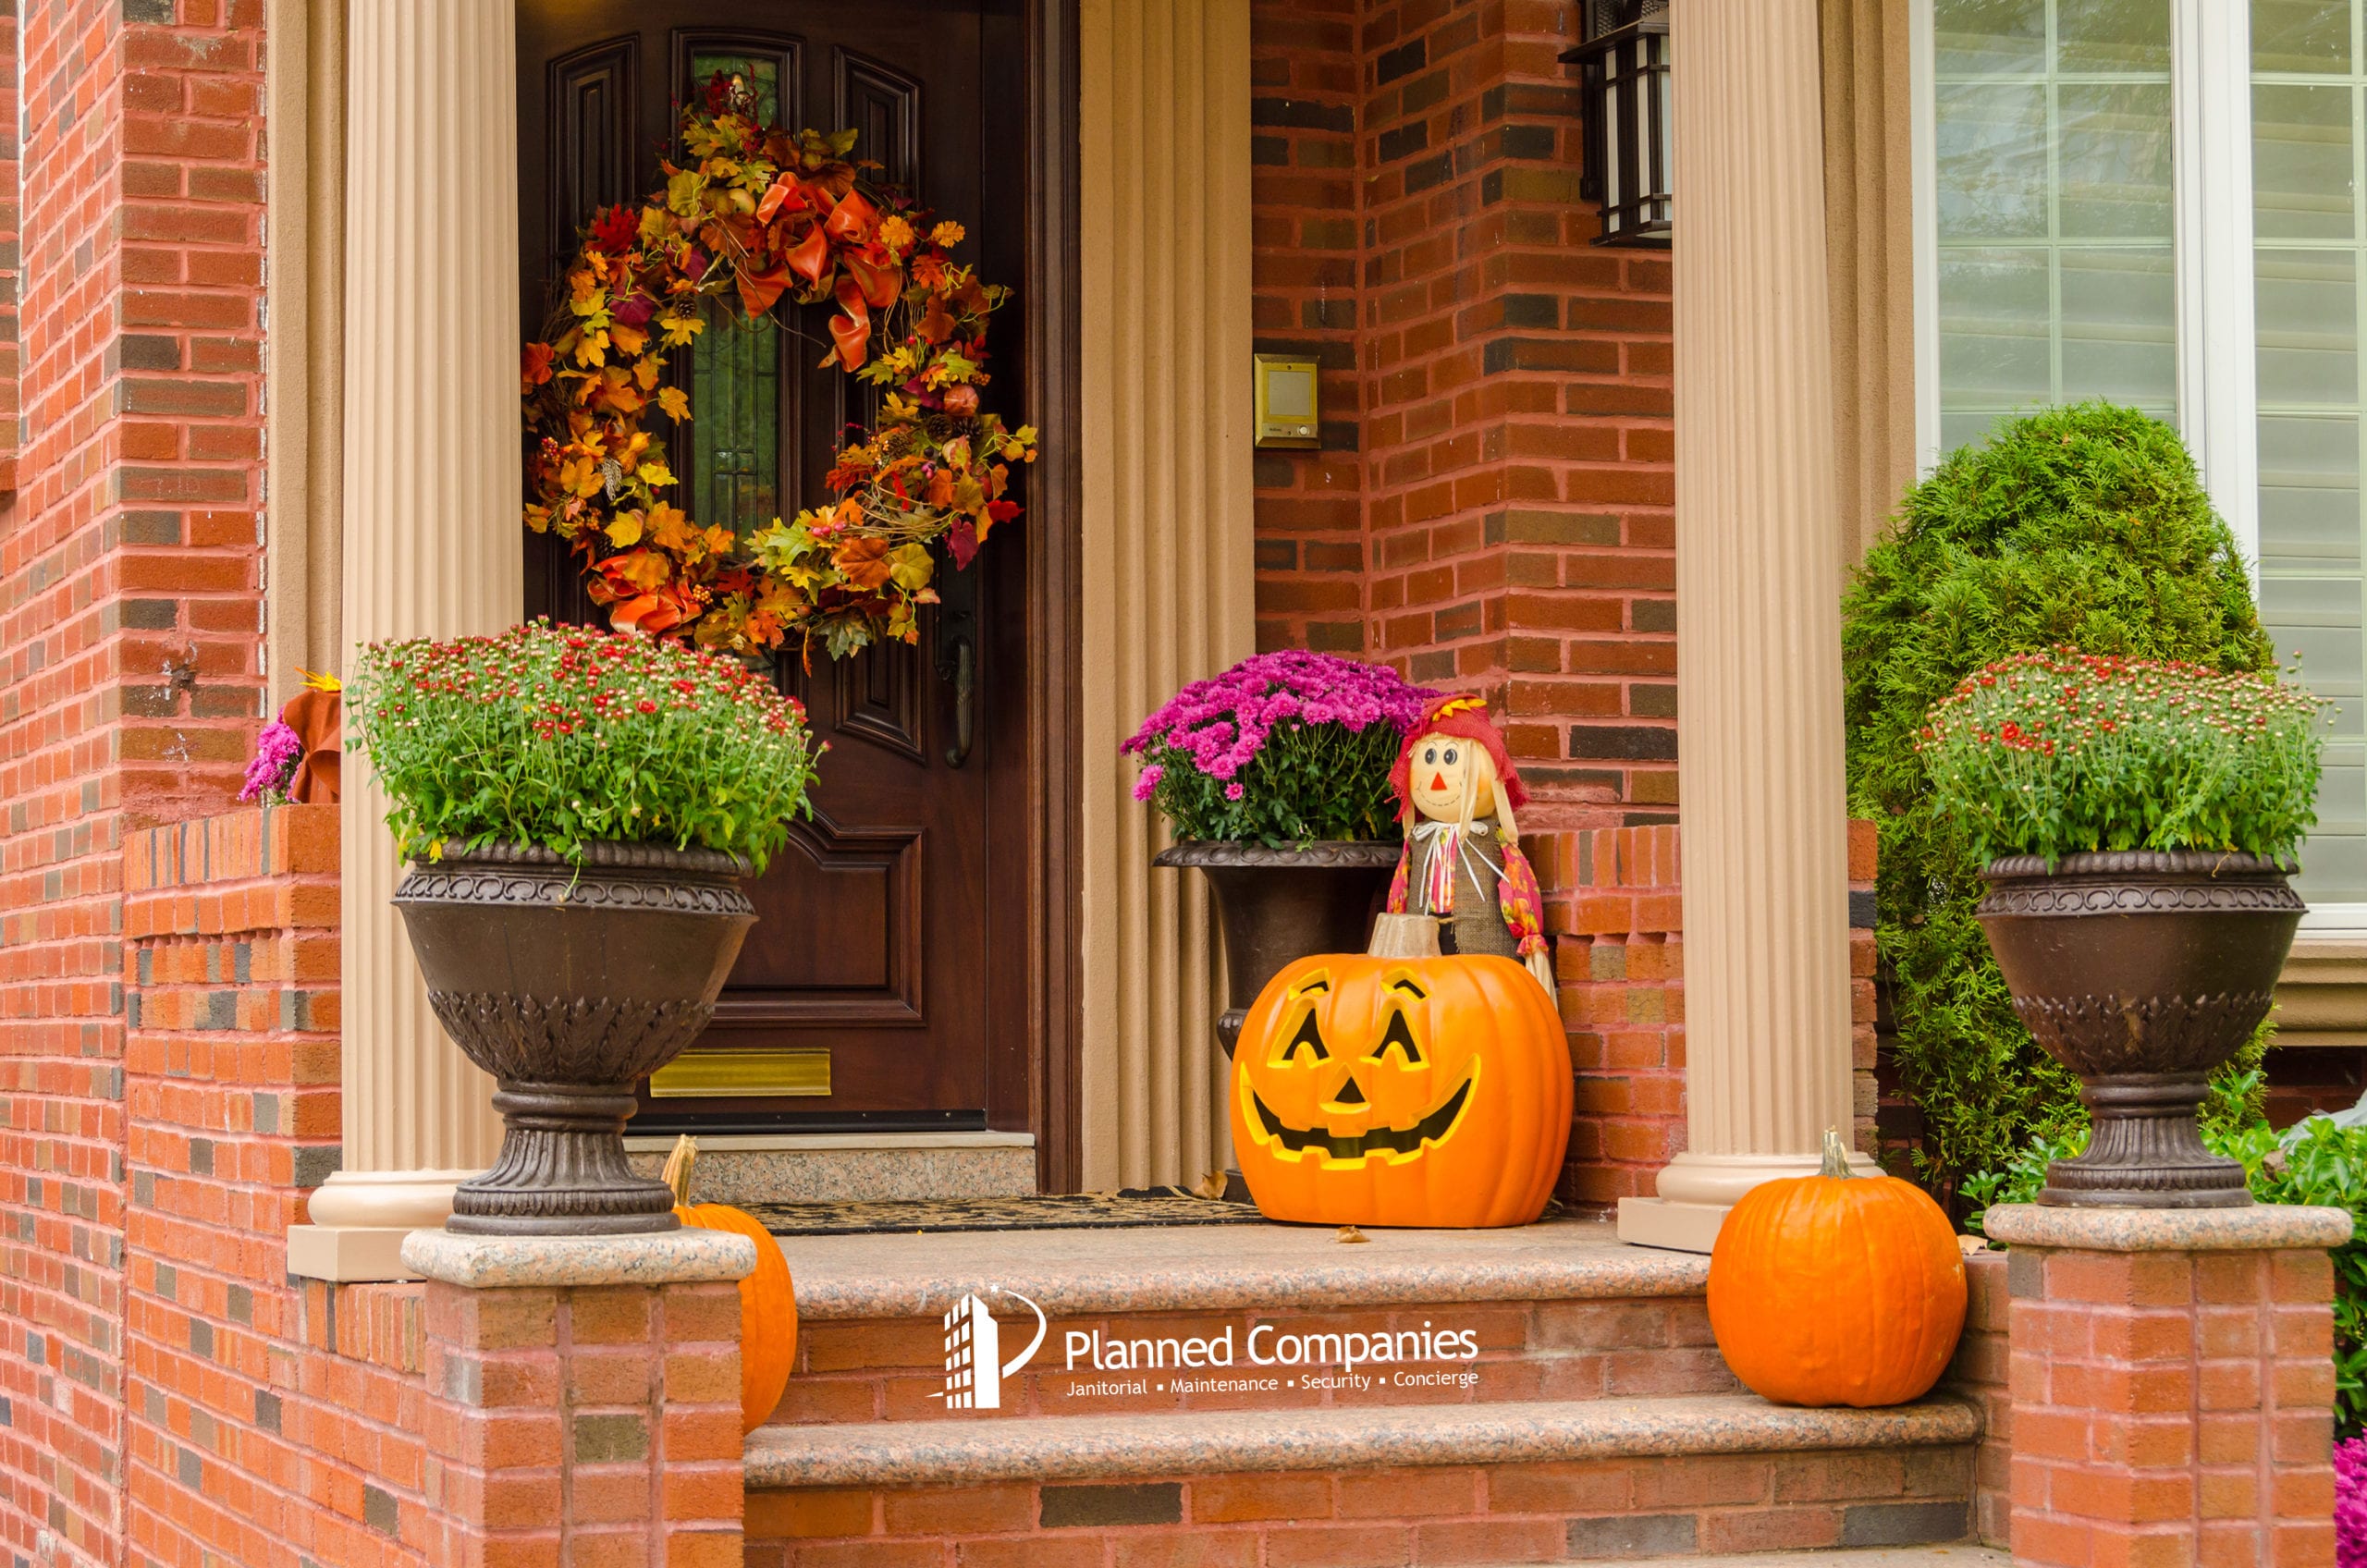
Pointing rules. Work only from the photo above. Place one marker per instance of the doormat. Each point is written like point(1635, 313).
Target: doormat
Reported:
point(1051, 1211)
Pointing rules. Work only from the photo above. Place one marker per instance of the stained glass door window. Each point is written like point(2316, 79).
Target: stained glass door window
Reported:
point(737, 366)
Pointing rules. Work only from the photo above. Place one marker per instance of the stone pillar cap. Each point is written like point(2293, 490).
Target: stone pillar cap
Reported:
point(487, 1263)
point(2266, 1227)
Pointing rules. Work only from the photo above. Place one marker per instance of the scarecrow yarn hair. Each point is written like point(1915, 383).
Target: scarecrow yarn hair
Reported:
point(1465, 718)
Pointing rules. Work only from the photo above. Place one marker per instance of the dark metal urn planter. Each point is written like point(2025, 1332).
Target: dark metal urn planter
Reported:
point(1276, 905)
point(568, 985)
point(2141, 971)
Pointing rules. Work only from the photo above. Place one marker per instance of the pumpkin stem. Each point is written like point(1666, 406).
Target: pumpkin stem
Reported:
point(1404, 936)
point(676, 1173)
point(1836, 1156)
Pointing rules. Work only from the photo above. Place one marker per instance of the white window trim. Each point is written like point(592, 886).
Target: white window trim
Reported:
point(1925, 211)
point(2212, 229)
point(2212, 156)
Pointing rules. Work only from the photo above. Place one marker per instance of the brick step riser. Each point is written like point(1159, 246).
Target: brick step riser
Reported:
point(894, 1369)
point(1504, 1513)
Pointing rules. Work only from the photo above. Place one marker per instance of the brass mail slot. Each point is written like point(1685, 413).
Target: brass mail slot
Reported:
point(793, 1070)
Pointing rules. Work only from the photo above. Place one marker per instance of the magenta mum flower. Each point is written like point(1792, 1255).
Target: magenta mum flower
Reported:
point(1283, 748)
point(277, 751)
point(2351, 1503)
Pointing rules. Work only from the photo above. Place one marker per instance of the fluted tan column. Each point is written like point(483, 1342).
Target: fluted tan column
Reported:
point(1163, 271)
point(1758, 635)
point(431, 547)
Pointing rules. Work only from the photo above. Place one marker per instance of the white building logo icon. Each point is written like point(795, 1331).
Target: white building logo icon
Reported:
point(974, 1365)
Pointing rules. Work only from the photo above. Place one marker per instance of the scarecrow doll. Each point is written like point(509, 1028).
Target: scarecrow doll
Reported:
point(1462, 865)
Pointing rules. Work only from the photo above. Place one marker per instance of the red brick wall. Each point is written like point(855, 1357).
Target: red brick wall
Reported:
point(128, 650)
point(1306, 230)
point(1613, 903)
point(1660, 1508)
point(262, 1419)
point(11, 228)
point(274, 1423)
point(1491, 508)
point(1982, 1372)
point(2172, 1407)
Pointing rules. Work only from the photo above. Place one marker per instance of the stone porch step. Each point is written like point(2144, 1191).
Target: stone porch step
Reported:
point(1872, 1557)
point(1154, 1269)
point(1512, 1483)
point(985, 1447)
point(1548, 1456)
point(1240, 1317)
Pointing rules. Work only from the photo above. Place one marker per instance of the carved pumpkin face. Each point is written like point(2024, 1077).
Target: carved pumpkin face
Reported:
point(1393, 1091)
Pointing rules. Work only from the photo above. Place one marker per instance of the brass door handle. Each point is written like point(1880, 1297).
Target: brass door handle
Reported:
point(965, 691)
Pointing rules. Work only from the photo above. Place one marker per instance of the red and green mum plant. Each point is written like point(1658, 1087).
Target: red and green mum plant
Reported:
point(759, 220)
point(2059, 752)
point(552, 736)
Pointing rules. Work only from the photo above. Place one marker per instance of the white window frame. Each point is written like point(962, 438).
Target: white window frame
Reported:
point(2212, 239)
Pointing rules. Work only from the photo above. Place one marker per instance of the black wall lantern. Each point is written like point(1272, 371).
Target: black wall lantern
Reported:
point(1625, 115)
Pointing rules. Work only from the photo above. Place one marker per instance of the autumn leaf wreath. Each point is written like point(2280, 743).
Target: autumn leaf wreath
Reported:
point(761, 216)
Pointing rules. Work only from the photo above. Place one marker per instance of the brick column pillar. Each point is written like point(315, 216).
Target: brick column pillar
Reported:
point(2172, 1384)
point(584, 1399)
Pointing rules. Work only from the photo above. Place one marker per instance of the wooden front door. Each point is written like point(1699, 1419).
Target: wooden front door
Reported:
point(867, 993)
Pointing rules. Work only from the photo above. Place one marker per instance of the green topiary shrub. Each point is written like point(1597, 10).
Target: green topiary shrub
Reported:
point(2085, 527)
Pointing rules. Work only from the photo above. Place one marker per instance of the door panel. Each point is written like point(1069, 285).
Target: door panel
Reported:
point(874, 942)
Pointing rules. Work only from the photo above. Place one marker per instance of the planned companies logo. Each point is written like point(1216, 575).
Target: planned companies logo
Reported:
point(1267, 1358)
point(973, 1364)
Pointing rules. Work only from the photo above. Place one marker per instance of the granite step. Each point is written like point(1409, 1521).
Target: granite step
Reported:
point(1249, 1317)
point(1958, 1556)
point(1512, 1482)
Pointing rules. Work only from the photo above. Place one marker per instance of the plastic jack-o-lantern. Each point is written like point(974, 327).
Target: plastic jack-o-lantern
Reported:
point(1412, 1089)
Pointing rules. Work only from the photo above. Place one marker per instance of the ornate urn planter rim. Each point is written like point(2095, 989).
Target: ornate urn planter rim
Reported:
point(2140, 864)
point(600, 855)
point(1357, 853)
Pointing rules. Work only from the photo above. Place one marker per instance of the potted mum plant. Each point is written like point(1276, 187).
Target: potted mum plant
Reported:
point(1275, 778)
point(2138, 820)
point(579, 809)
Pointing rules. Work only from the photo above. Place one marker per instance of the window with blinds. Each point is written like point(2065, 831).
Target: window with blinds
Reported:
point(2308, 238)
point(2053, 206)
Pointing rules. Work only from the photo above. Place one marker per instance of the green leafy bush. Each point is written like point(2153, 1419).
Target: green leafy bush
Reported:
point(2059, 752)
point(2082, 527)
point(551, 736)
point(2321, 1161)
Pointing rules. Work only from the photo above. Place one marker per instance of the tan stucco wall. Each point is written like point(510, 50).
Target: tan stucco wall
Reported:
point(1164, 263)
point(1869, 262)
point(304, 354)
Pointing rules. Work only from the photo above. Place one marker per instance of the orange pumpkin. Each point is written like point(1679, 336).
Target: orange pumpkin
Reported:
point(1836, 1289)
point(1420, 1091)
point(768, 1303)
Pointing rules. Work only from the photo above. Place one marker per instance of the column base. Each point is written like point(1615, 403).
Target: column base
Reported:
point(359, 1219)
point(1679, 1227)
point(348, 1255)
point(1695, 1191)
